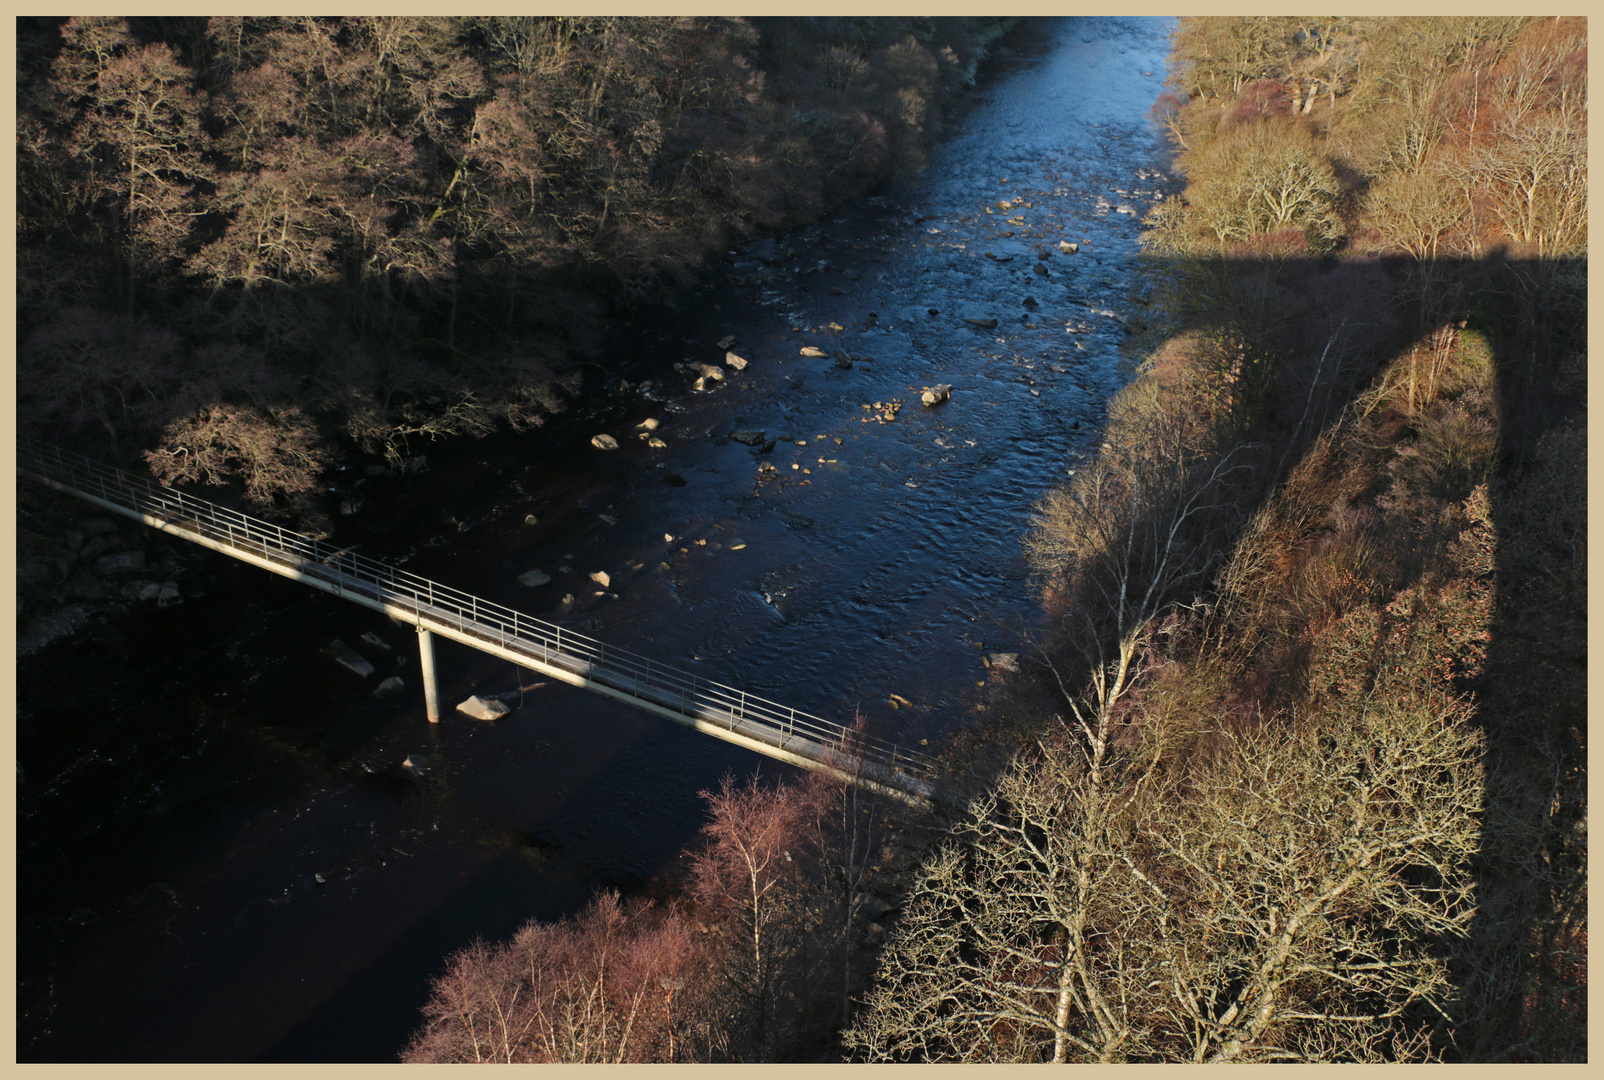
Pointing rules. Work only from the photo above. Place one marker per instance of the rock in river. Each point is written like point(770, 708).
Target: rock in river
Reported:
point(733, 362)
point(1001, 661)
point(935, 395)
point(750, 438)
point(390, 688)
point(604, 442)
point(534, 578)
point(480, 708)
point(986, 324)
point(600, 577)
point(815, 353)
point(122, 560)
point(347, 657)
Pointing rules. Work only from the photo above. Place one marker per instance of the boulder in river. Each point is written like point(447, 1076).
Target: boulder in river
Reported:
point(122, 560)
point(347, 657)
point(648, 424)
point(813, 352)
point(712, 372)
point(1001, 661)
point(726, 341)
point(985, 324)
point(1067, 247)
point(390, 688)
point(604, 442)
point(534, 578)
point(842, 360)
point(750, 438)
point(735, 363)
point(142, 590)
point(601, 578)
point(479, 708)
point(370, 638)
point(169, 596)
point(935, 395)
point(656, 444)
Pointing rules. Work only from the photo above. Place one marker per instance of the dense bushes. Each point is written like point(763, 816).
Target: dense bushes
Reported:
point(398, 226)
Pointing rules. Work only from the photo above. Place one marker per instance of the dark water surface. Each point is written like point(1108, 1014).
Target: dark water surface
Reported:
point(220, 856)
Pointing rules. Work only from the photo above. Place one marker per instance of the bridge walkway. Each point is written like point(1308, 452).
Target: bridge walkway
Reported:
point(715, 708)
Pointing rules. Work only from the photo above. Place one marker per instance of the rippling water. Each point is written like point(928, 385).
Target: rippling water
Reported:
point(220, 856)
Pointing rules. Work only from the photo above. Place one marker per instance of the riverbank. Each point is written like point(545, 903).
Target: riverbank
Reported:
point(313, 269)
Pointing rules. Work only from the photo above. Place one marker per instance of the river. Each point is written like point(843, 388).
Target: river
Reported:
point(220, 854)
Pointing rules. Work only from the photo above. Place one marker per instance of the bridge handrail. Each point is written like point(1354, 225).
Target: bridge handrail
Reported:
point(620, 669)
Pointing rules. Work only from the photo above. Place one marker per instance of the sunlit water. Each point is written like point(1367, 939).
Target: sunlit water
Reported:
point(220, 855)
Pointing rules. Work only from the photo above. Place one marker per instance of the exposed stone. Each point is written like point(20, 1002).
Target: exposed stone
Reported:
point(141, 590)
point(649, 424)
point(370, 638)
point(534, 578)
point(726, 341)
point(813, 352)
point(712, 372)
point(347, 657)
point(531, 519)
point(122, 560)
point(415, 762)
point(656, 444)
point(737, 544)
point(734, 362)
point(986, 324)
point(169, 596)
point(390, 688)
point(567, 604)
point(842, 360)
point(601, 578)
point(96, 544)
point(478, 708)
point(608, 518)
point(1001, 661)
point(935, 395)
point(1066, 246)
point(750, 438)
point(604, 442)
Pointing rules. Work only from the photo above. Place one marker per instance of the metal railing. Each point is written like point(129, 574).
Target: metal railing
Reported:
point(627, 673)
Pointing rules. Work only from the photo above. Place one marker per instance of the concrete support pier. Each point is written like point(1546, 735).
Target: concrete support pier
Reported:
point(431, 696)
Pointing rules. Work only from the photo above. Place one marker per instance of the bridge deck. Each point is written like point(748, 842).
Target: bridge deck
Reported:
point(712, 707)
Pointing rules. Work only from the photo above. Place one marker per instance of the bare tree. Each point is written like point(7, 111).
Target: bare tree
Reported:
point(1276, 900)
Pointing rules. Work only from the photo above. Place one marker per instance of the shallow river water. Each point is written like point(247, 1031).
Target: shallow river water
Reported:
point(220, 856)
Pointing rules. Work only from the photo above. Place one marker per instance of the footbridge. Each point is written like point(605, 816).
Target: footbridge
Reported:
point(714, 708)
